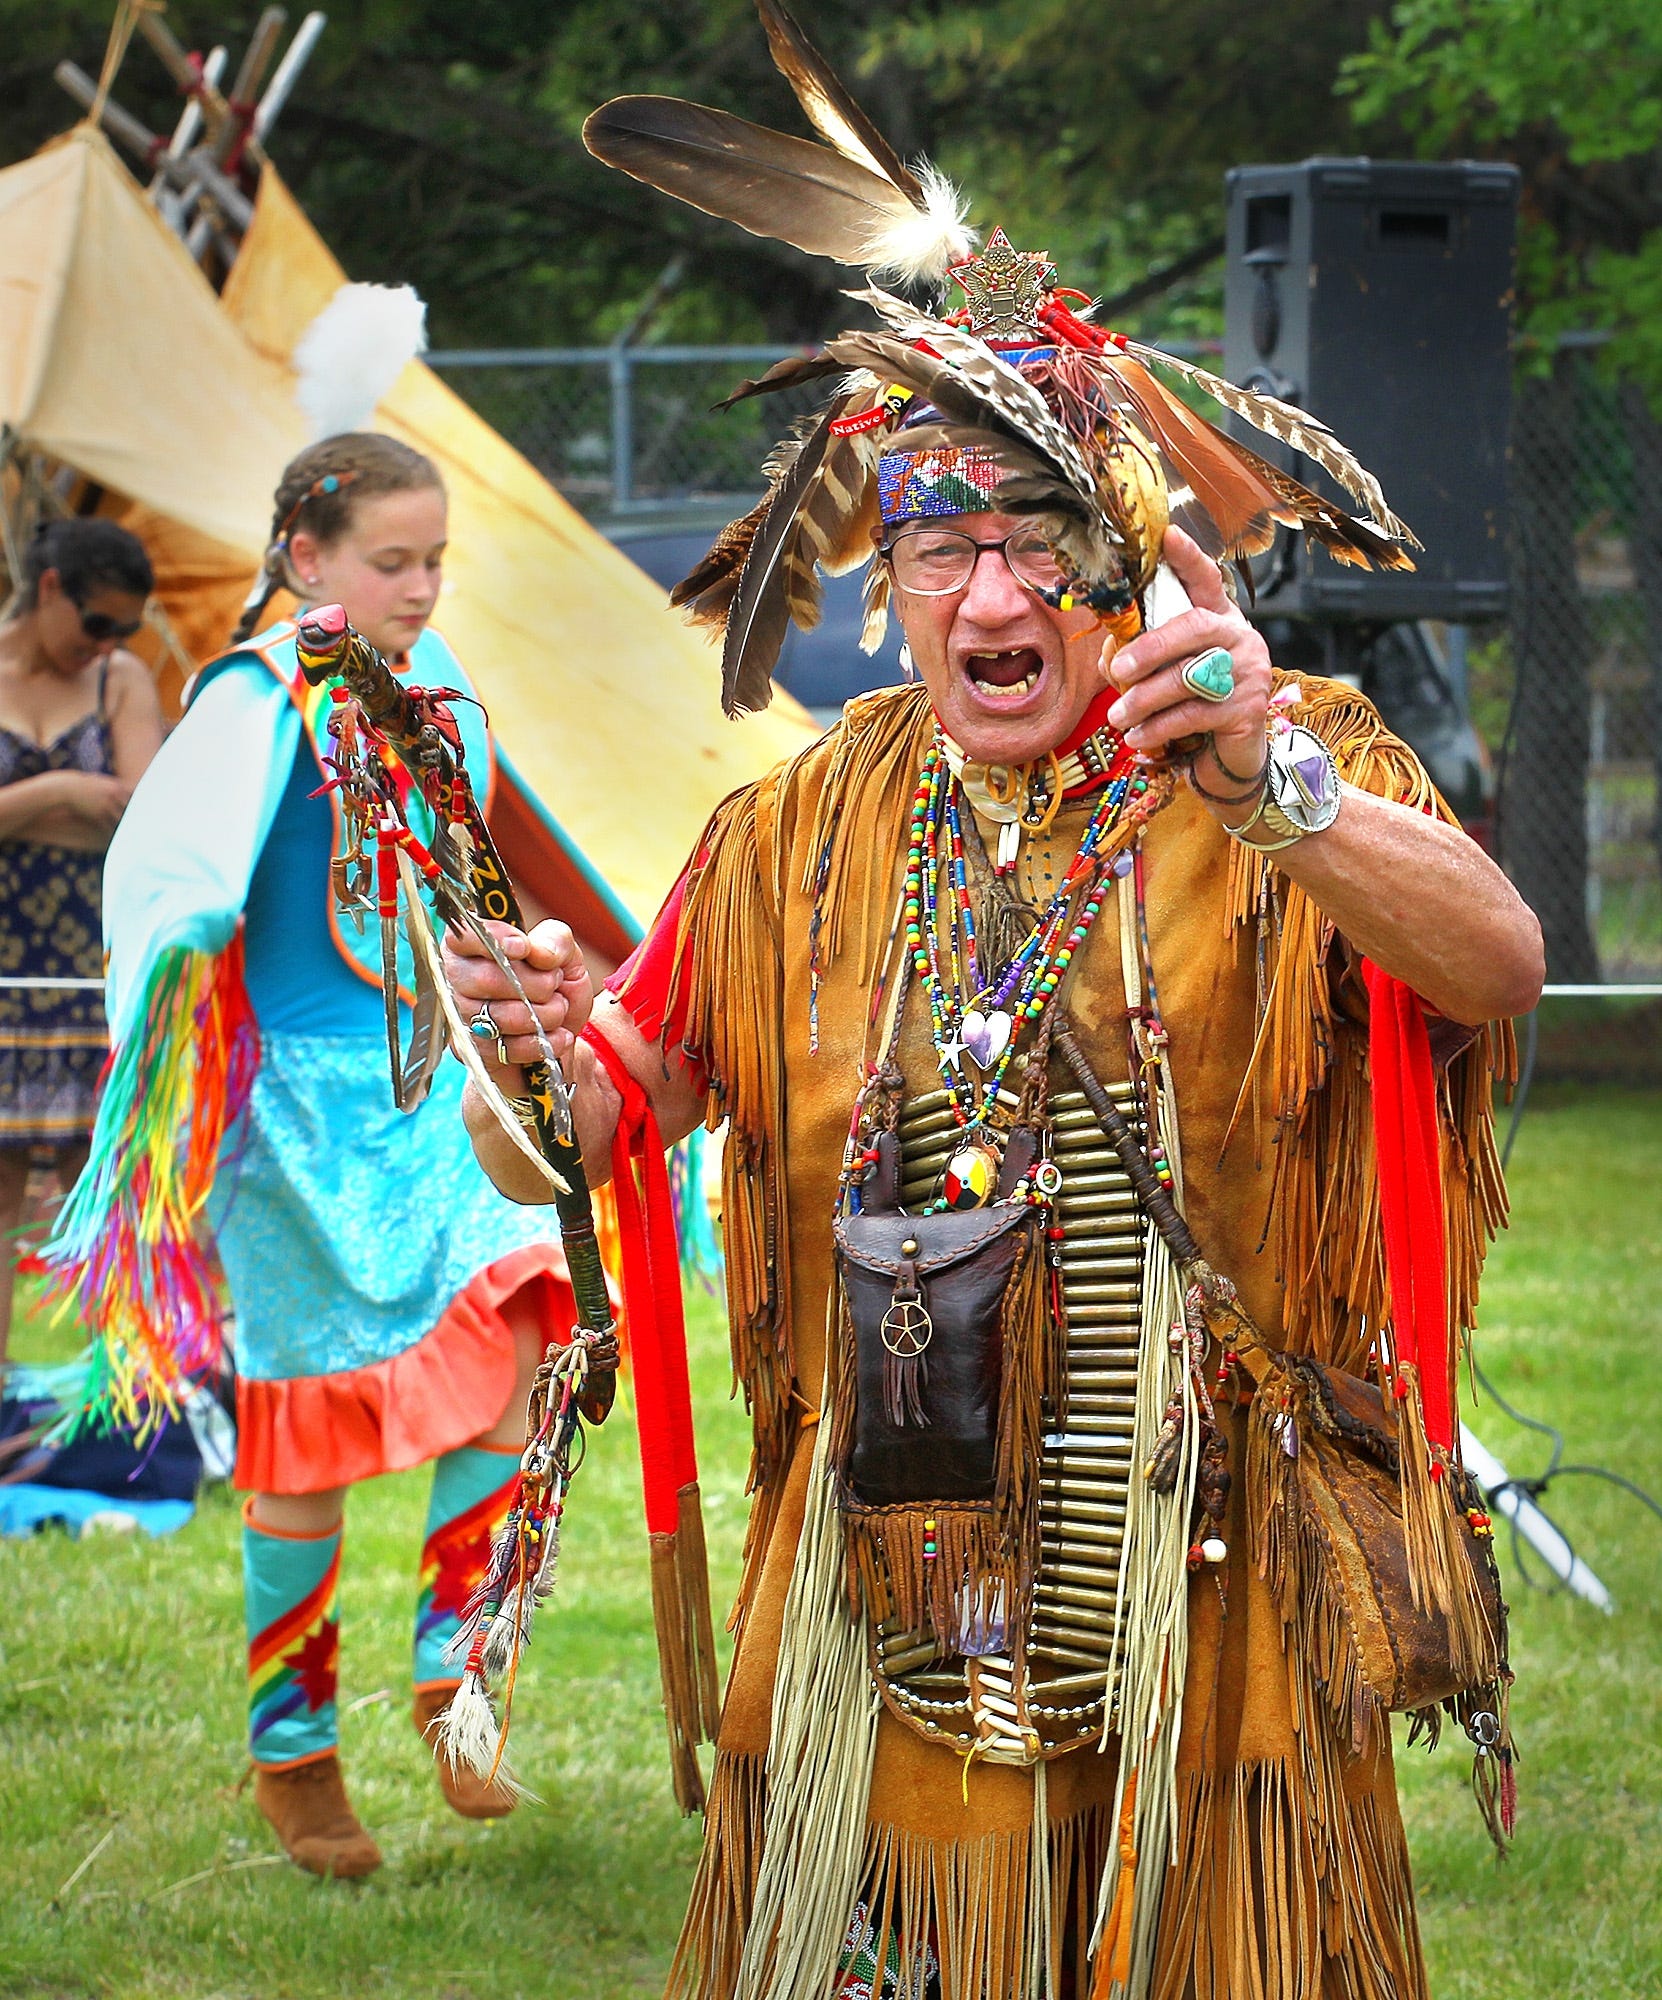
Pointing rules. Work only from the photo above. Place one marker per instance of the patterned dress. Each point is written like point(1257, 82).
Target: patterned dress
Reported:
point(52, 1044)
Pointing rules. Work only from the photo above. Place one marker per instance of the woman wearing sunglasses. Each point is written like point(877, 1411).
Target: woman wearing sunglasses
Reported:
point(79, 722)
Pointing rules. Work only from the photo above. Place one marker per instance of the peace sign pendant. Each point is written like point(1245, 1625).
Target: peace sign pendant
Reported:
point(907, 1329)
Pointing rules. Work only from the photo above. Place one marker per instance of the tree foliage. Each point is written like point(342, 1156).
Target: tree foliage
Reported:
point(1571, 90)
point(441, 144)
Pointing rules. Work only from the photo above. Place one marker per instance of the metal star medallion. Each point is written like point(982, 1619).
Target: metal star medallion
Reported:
point(1005, 287)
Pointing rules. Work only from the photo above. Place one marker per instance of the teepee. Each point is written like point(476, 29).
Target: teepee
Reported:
point(127, 384)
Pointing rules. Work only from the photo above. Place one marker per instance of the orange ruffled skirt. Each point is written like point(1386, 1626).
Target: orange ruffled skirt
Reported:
point(308, 1433)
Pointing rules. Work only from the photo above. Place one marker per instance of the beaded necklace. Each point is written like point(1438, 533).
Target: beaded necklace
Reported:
point(983, 1016)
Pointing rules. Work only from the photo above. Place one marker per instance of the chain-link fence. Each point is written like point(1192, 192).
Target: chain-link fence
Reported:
point(1568, 695)
point(1581, 661)
point(624, 429)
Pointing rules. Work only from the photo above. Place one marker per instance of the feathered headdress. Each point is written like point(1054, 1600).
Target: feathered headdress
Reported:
point(1088, 439)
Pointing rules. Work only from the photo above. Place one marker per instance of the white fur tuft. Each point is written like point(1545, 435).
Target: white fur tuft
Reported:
point(917, 248)
point(467, 1734)
point(353, 352)
point(467, 1729)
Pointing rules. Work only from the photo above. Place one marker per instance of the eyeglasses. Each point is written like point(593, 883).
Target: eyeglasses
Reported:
point(100, 627)
point(935, 562)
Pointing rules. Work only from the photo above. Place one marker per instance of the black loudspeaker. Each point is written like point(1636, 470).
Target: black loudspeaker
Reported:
point(1377, 295)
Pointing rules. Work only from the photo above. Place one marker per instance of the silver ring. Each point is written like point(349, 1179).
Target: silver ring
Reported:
point(481, 1026)
point(1210, 675)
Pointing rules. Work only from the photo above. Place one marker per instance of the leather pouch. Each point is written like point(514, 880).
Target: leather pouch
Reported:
point(925, 1297)
point(956, 1273)
point(1340, 1500)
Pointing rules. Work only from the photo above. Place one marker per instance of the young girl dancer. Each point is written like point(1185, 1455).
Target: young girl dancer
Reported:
point(390, 1307)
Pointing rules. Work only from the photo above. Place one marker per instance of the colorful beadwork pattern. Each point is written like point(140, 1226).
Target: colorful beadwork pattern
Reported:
point(940, 930)
point(929, 485)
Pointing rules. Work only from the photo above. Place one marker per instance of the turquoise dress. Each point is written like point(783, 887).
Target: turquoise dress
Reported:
point(373, 1269)
point(345, 1226)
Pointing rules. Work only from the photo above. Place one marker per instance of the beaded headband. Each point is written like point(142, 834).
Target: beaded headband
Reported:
point(925, 485)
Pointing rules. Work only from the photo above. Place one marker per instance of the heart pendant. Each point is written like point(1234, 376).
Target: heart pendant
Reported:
point(986, 1036)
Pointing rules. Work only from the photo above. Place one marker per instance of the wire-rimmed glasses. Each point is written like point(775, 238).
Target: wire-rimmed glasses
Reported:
point(936, 562)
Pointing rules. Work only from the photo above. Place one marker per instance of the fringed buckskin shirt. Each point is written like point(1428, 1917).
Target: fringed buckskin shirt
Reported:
point(1291, 1875)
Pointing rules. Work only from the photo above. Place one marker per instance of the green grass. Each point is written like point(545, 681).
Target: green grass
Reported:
point(121, 1707)
point(1572, 1332)
point(121, 1704)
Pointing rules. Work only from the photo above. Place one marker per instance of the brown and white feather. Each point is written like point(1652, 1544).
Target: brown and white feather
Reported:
point(1293, 427)
point(829, 104)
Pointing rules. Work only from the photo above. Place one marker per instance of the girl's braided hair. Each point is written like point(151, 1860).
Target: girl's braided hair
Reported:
point(318, 491)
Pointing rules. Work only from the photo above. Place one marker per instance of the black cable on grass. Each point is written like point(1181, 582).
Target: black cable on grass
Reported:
point(1532, 1488)
point(1529, 1424)
point(1615, 1479)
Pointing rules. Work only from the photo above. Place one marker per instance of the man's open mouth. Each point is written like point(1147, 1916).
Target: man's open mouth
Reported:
point(1012, 672)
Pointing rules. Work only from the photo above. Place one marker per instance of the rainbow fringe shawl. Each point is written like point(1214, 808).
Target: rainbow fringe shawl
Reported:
point(126, 1255)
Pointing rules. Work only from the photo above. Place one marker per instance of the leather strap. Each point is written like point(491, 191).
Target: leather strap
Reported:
point(1155, 1198)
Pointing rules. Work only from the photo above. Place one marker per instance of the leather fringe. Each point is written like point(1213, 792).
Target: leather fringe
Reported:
point(975, 1904)
point(1439, 1574)
point(891, 1579)
point(1308, 1087)
point(1148, 1664)
point(1290, 1555)
point(822, 1742)
point(723, 951)
point(686, 1649)
point(706, 1963)
point(1311, 1101)
point(1280, 1889)
point(875, 754)
point(1293, 1556)
point(1003, 1915)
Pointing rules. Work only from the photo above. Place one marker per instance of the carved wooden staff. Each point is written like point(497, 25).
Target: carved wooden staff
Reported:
point(329, 648)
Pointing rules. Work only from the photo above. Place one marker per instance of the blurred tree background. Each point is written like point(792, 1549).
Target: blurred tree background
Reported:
point(440, 143)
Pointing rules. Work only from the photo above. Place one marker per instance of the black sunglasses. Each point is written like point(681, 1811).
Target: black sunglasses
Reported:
point(100, 626)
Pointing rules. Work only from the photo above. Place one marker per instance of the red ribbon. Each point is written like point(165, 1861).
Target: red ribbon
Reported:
point(1408, 1150)
point(653, 1319)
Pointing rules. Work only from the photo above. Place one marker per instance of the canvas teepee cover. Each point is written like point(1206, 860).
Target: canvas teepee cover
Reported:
point(118, 360)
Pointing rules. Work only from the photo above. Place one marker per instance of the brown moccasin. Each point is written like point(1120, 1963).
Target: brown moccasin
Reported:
point(309, 1811)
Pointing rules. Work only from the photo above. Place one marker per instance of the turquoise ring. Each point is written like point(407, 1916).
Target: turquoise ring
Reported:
point(1211, 675)
point(481, 1026)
